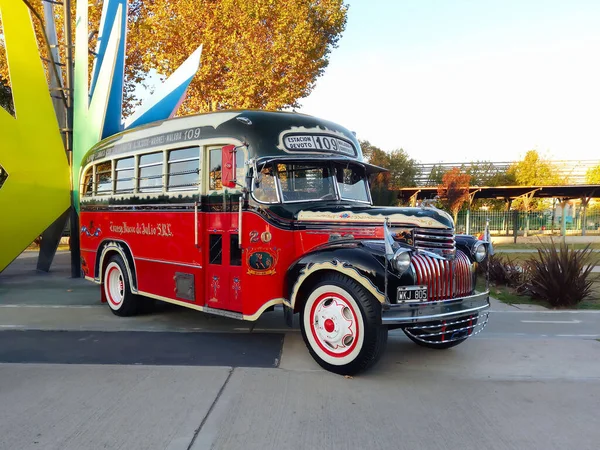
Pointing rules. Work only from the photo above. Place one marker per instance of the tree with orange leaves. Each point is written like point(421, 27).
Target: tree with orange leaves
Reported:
point(256, 53)
point(454, 190)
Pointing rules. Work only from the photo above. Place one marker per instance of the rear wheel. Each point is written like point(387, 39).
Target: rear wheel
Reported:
point(341, 325)
point(117, 288)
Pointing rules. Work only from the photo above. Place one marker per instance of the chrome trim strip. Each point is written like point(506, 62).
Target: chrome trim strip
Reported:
point(447, 232)
point(428, 311)
point(434, 237)
point(194, 266)
point(424, 244)
point(474, 330)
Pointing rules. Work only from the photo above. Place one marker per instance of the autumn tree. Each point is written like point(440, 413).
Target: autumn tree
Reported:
point(435, 175)
point(592, 175)
point(94, 12)
point(402, 172)
point(6, 101)
point(534, 170)
point(454, 190)
point(256, 53)
point(486, 173)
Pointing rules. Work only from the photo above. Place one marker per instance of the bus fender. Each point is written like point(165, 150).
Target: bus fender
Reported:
point(123, 250)
point(355, 263)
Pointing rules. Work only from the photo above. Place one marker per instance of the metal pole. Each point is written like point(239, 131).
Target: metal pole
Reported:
point(515, 225)
point(74, 219)
point(563, 227)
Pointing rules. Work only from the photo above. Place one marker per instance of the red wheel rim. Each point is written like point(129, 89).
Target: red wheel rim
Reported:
point(334, 325)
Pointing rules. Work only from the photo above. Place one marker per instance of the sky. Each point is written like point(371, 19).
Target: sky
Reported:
point(465, 80)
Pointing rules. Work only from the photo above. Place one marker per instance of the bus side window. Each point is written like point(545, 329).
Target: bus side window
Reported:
point(88, 183)
point(184, 169)
point(240, 168)
point(266, 191)
point(214, 176)
point(235, 252)
point(151, 172)
point(124, 174)
point(216, 248)
point(104, 178)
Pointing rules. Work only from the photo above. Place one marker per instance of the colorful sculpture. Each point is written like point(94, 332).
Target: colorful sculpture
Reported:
point(36, 189)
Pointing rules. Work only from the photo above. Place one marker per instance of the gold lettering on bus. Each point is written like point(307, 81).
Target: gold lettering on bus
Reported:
point(142, 229)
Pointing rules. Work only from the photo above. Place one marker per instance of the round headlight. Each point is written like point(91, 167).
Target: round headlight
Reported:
point(401, 260)
point(480, 252)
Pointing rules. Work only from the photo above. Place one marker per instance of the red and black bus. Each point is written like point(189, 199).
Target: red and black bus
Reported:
point(235, 212)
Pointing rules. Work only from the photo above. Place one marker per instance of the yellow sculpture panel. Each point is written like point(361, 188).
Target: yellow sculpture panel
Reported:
point(36, 191)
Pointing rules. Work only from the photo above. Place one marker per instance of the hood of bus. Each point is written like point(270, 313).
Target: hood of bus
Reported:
point(374, 215)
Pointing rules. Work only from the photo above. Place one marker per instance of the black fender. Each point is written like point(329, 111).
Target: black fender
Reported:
point(353, 259)
point(466, 243)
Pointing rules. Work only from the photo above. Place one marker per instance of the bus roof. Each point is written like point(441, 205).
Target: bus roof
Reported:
point(267, 133)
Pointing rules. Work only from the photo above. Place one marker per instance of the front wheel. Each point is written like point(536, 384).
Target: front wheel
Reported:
point(341, 325)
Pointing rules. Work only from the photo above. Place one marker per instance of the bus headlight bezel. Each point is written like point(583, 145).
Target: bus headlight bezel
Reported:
point(479, 251)
point(401, 260)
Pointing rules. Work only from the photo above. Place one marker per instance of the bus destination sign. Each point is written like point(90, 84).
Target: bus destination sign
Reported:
point(172, 137)
point(318, 143)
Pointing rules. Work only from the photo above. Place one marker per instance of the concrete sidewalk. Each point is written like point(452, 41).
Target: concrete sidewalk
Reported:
point(488, 393)
point(500, 390)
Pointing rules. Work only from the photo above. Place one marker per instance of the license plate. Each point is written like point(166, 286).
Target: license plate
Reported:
point(412, 294)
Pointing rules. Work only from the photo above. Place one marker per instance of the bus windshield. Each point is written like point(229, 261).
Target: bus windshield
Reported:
point(311, 181)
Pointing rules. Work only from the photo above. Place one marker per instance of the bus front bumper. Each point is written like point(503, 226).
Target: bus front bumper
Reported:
point(419, 312)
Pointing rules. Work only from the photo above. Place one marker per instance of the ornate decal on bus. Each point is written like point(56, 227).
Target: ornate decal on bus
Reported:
point(214, 285)
point(349, 216)
point(262, 262)
point(237, 287)
point(91, 230)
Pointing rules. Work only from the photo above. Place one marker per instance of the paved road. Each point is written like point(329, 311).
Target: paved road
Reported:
point(531, 380)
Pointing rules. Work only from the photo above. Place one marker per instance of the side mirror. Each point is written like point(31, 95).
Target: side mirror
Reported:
point(228, 172)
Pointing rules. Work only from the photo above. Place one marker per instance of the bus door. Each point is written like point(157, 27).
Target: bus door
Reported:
point(224, 255)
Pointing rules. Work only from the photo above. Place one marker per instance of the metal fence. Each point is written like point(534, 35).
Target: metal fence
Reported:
point(539, 222)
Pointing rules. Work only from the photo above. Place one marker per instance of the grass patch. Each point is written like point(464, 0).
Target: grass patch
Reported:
point(534, 246)
point(509, 296)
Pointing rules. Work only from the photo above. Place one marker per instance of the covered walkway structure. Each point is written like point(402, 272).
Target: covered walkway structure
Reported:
point(564, 194)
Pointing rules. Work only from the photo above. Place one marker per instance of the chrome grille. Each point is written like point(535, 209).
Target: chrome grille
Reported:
point(442, 332)
point(444, 279)
point(437, 241)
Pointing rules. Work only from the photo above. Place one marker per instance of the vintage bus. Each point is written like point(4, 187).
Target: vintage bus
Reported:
point(236, 212)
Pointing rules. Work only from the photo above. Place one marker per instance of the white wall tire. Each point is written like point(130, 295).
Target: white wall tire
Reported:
point(117, 289)
point(341, 325)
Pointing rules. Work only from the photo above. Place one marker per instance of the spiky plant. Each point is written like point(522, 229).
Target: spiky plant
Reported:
point(502, 270)
point(560, 276)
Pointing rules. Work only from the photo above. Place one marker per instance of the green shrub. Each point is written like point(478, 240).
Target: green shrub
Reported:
point(559, 276)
